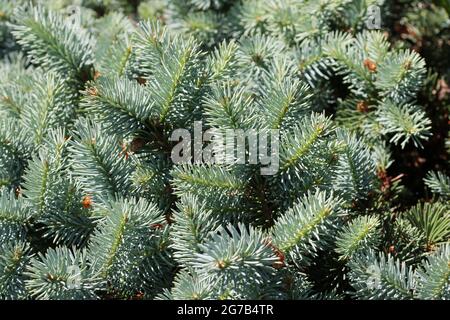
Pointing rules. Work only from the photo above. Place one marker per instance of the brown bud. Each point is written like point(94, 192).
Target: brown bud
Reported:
point(370, 65)
point(141, 80)
point(362, 107)
point(87, 202)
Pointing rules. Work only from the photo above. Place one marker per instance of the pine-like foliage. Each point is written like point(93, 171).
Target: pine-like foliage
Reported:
point(94, 206)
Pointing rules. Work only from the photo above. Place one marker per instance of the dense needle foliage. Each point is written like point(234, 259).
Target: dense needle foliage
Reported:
point(92, 205)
